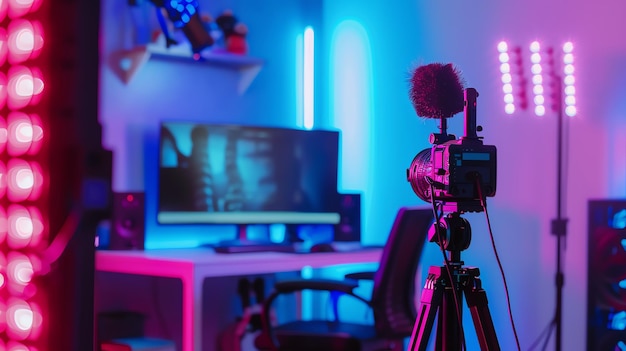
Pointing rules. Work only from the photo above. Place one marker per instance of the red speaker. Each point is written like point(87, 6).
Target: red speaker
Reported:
point(127, 222)
point(349, 226)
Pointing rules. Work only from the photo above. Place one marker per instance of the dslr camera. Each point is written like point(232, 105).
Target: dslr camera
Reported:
point(458, 173)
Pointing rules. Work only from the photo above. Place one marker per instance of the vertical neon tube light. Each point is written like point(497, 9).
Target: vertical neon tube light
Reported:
point(308, 120)
point(308, 82)
point(308, 99)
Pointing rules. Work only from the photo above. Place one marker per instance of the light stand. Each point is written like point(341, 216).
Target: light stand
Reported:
point(559, 224)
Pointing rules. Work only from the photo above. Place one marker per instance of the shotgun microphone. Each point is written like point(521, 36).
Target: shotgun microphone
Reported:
point(436, 90)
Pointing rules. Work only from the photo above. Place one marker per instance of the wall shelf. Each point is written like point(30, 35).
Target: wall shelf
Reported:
point(127, 62)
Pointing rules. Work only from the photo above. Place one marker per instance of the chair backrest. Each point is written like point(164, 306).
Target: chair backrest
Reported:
point(393, 294)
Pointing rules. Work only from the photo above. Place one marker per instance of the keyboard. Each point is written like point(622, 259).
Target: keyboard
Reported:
point(240, 246)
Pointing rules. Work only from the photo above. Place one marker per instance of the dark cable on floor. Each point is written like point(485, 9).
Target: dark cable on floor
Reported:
point(544, 335)
point(495, 251)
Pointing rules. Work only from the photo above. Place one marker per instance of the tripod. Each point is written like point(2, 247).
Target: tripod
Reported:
point(444, 290)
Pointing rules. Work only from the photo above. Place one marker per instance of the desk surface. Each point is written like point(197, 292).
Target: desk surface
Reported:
point(203, 261)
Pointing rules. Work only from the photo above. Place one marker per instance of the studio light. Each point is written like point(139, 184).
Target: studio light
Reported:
point(543, 75)
point(24, 86)
point(512, 77)
point(505, 70)
point(23, 172)
point(556, 88)
point(568, 79)
point(24, 40)
point(19, 8)
point(536, 70)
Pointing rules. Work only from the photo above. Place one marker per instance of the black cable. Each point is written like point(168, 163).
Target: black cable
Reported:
point(447, 263)
point(546, 333)
point(495, 251)
point(552, 328)
point(61, 241)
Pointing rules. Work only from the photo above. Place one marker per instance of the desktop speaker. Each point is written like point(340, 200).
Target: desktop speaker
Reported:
point(606, 308)
point(349, 226)
point(127, 222)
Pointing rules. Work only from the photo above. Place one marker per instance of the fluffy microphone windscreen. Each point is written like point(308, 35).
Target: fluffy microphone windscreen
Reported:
point(436, 91)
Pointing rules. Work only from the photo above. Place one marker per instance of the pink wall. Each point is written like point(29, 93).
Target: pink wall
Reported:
point(526, 199)
point(466, 33)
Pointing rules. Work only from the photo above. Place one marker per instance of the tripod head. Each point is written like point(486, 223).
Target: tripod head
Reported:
point(453, 233)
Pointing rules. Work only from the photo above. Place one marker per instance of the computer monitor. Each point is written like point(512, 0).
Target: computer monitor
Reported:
point(234, 174)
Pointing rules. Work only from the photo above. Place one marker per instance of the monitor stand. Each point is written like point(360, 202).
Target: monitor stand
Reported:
point(242, 244)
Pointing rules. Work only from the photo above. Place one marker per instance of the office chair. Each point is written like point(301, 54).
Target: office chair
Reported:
point(392, 299)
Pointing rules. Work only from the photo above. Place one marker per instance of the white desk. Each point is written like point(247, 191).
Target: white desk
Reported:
point(192, 266)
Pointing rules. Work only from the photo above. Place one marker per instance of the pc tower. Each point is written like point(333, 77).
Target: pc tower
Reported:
point(349, 226)
point(606, 297)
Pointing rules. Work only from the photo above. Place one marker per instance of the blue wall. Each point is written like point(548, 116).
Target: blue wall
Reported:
point(368, 99)
point(362, 66)
point(171, 89)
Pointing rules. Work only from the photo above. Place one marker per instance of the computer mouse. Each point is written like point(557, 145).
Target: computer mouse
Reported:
point(323, 247)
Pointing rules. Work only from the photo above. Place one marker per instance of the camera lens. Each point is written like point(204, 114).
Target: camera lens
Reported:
point(420, 168)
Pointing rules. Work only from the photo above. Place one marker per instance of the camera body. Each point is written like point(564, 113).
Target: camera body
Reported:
point(456, 172)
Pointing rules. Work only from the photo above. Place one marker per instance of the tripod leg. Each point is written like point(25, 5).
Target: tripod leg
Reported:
point(449, 329)
point(430, 303)
point(476, 298)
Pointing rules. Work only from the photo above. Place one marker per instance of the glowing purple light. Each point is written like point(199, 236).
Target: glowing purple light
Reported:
point(503, 46)
point(508, 98)
point(504, 57)
point(568, 47)
point(535, 57)
point(506, 78)
point(543, 77)
point(540, 110)
point(505, 68)
point(535, 46)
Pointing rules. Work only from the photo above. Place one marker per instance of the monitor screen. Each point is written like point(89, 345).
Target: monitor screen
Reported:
point(227, 174)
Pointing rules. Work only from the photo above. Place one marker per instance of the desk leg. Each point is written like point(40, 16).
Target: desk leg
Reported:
point(191, 319)
point(198, 281)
